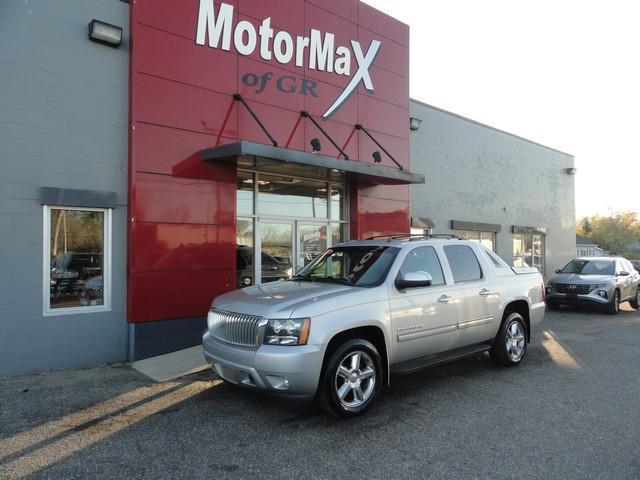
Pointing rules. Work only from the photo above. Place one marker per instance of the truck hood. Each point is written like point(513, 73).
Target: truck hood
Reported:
point(578, 279)
point(279, 299)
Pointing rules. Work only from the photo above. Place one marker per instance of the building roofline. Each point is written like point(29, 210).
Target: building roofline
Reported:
point(490, 127)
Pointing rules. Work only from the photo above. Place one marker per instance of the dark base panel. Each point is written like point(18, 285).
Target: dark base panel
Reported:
point(156, 338)
point(434, 359)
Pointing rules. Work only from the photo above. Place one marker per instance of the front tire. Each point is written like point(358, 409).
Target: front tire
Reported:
point(614, 305)
point(635, 303)
point(510, 345)
point(352, 379)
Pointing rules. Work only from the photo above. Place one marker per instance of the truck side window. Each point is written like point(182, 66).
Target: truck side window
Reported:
point(497, 261)
point(423, 259)
point(463, 262)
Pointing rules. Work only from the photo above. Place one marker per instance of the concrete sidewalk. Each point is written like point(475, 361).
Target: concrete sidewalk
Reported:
point(172, 365)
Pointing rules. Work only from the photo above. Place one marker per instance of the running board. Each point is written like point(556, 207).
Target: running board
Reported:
point(410, 366)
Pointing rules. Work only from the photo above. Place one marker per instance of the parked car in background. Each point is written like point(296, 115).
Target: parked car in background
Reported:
point(597, 281)
point(272, 269)
point(363, 310)
point(636, 264)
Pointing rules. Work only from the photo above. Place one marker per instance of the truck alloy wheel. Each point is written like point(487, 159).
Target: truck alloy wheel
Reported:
point(510, 344)
point(352, 378)
point(515, 341)
point(355, 380)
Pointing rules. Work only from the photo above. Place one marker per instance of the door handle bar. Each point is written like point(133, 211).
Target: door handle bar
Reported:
point(444, 299)
point(485, 292)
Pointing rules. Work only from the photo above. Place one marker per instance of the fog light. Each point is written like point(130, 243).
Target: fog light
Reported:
point(602, 293)
point(548, 289)
point(105, 33)
point(277, 382)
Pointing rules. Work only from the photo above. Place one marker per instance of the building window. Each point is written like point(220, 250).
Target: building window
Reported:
point(77, 260)
point(488, 239)
point(528, 250)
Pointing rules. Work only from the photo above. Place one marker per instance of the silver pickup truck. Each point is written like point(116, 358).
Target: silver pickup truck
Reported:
point(364, 310)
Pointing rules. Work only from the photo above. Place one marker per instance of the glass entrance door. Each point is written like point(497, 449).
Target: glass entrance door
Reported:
point(287, 246)
point(276, 251)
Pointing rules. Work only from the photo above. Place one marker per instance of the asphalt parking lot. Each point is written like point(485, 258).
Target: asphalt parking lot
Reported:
point(571, 410)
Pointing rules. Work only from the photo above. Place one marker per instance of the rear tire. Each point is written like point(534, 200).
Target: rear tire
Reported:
point(614, 304)
point(351, 380)
point(510, 345)
point(635, 303)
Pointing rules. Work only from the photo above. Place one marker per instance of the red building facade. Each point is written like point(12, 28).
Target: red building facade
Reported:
point(188, 58)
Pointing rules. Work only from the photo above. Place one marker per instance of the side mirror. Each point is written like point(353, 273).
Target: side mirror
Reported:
point(558, 270)
point(623, 274)
point(413, 279)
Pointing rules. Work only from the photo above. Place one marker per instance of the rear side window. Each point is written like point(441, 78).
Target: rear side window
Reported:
point(493, 260)
point(497, 261)
point(463, 262)
point(423, 259)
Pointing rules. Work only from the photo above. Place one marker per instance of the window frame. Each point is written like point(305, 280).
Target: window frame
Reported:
point(47, 311)
point(529, 258)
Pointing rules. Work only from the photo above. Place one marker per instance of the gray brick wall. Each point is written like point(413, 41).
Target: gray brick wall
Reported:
point(481, 174)
point(63, 123)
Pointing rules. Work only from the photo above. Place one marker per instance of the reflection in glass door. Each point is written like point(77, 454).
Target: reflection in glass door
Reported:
point(276, 259)
point(312, 240)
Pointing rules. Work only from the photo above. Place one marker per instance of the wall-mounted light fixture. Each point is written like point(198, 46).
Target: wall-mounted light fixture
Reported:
point(571, 171)
point(105, 33)
point(315, 145)
point(414, 123)
point(377, 157)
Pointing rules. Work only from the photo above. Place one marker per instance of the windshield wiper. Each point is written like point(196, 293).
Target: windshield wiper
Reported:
point(335, 280)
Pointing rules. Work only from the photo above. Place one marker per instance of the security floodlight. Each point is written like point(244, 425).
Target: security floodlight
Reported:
point(105, 33)
point(377, 158)
point(414, 123)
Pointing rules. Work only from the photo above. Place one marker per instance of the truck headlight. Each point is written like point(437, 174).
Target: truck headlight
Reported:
point(287, 331)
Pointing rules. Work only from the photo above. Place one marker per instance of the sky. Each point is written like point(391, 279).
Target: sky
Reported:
point(563, 73)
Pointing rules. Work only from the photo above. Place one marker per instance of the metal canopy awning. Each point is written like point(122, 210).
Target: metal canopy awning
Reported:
point(285, 161)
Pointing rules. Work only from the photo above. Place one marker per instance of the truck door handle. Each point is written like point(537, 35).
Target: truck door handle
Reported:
point(444, 299)
point(485, 292)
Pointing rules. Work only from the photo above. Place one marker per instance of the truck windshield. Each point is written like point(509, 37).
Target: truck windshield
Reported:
point(360, 266)
point(590, 267)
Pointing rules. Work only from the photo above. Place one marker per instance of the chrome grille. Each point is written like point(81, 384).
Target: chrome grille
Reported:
point(572, 288)
point(234, 328)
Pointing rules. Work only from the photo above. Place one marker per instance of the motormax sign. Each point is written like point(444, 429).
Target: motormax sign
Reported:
point(188, 60)
point(216, 30)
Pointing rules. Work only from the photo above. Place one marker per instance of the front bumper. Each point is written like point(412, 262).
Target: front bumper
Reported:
point(291, 371)
point(592, 298)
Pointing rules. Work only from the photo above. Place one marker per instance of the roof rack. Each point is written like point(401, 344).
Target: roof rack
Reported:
point(415, 236)
point(388, 235)
point(437, 235)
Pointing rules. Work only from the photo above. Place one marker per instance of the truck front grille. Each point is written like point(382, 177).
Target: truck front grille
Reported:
point(571, 288)
point(235, 328)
